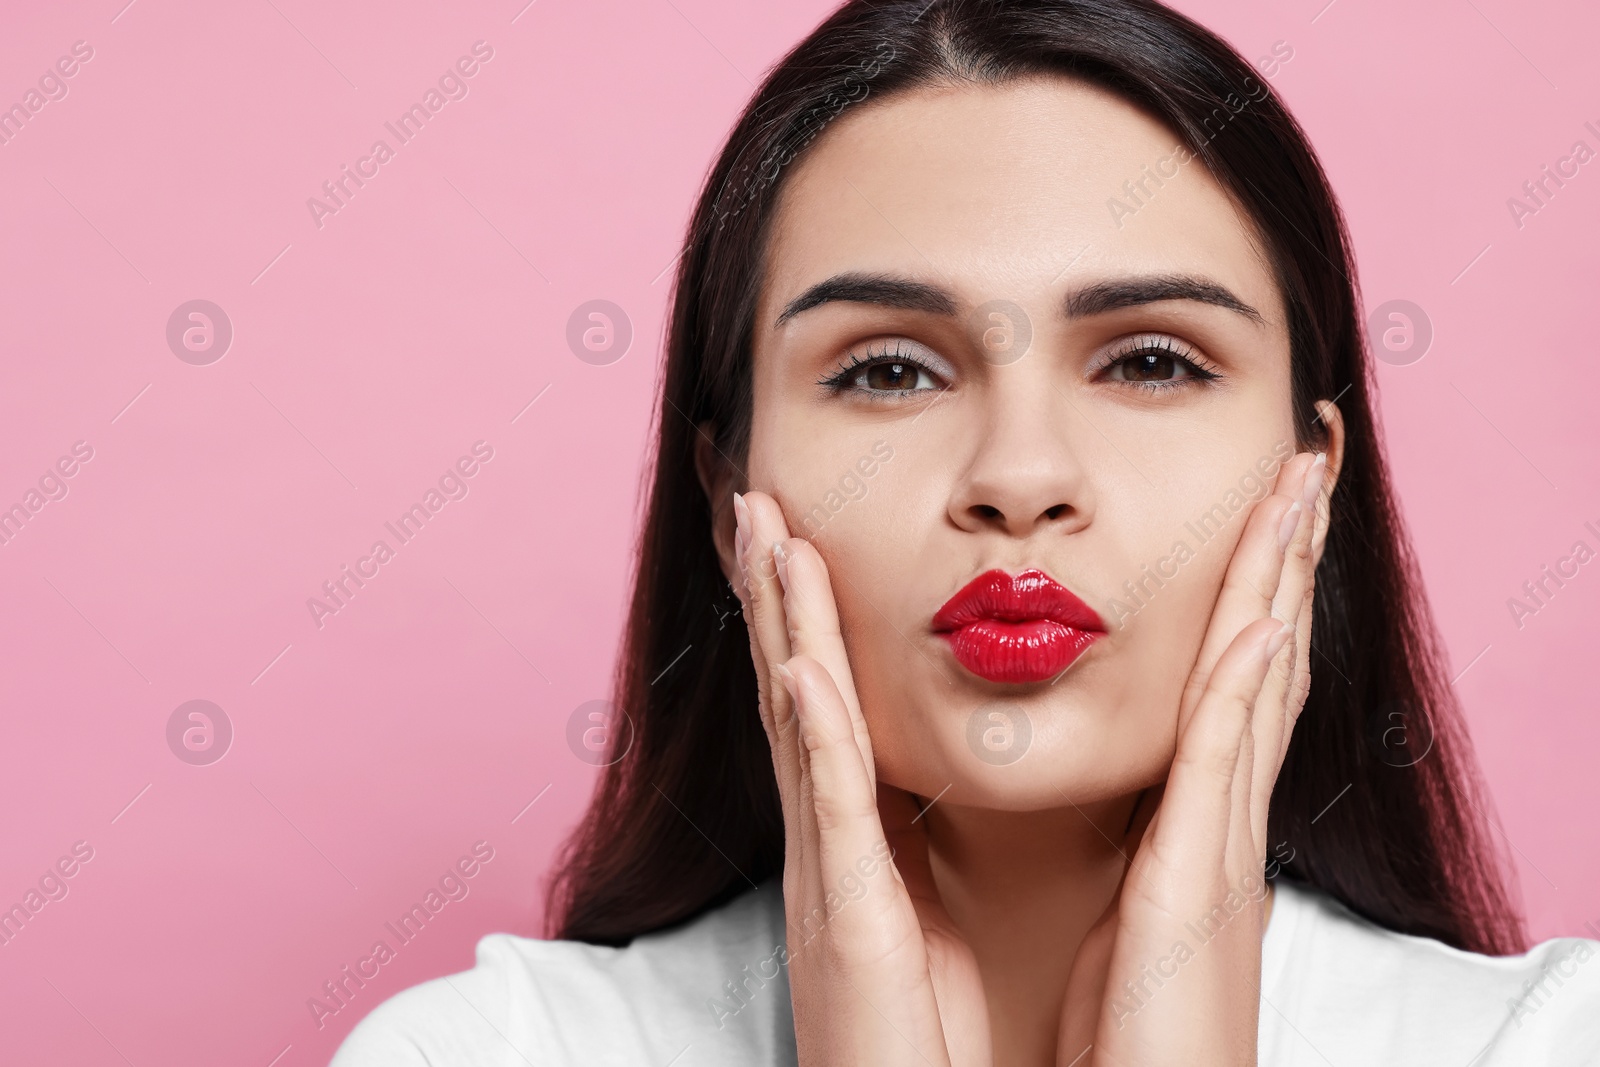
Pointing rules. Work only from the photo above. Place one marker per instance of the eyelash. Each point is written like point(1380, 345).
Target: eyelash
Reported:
point(841, 380)
point(1200, 370)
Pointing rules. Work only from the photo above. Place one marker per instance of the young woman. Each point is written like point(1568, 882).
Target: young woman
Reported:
point(1090, 712)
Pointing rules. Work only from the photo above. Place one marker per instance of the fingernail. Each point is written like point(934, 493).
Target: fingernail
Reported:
point(1276, 641)
point(1313, 485)
point(780, 556)
point(1291, 522)
point(790, 684)
point(741, 519)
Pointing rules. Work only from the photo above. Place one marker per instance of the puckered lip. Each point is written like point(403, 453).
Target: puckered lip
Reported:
point(1026, 597)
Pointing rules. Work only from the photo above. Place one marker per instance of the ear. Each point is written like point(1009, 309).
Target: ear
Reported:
point(716, 474)
point(1328, 412)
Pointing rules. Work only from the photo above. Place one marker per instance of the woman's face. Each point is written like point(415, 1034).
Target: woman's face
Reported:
point(1050, 381)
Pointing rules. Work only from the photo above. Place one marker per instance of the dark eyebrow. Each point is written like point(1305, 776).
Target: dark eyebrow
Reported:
point(888, 290)
point(1131, 292)
point(885, 290)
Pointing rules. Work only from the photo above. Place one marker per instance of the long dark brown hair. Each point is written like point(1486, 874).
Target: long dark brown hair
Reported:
point(1375, 798)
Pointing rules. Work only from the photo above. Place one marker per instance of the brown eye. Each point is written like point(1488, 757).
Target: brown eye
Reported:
point(882, 376)
point(1149, 367)
point(891, 377)
point(1156, 363)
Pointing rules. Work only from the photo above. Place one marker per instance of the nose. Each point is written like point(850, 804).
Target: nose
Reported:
point(1027, 471)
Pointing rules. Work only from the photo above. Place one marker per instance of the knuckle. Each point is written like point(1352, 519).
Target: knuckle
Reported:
point(1239, 704)
point(1283, 664)
point(836, 813)
point(1215, 761)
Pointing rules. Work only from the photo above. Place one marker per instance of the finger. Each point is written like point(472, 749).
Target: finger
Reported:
point(850, 840)
point(1322, 519)
point(813, 619)
point(900, 814)
point(777, 716)
point(1274, 707)
point(1200, 786)
point(1324, 504)
point(1251, 580)
point(765, 528)
point(846, 802)
point(1146, 813)
point(1302, 670)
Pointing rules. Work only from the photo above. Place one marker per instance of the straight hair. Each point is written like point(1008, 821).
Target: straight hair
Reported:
point(1376, 794)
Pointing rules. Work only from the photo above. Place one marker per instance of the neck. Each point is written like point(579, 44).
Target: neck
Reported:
point(1015, 881)
point(1024, 888)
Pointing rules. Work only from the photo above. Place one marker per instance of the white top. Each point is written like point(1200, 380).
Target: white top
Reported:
point(1336, 990)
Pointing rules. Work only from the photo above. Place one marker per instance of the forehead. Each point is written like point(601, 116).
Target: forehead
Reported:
point(996, 190)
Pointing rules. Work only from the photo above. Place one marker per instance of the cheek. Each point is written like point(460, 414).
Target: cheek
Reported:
point(1163, 619)
point(882, 562)
point(823, 472)
point(1163, 589)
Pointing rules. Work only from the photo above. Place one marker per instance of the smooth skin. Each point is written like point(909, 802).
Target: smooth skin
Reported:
point(1022, 896)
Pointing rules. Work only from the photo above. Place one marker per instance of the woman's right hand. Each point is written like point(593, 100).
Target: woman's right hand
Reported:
point(878, 973)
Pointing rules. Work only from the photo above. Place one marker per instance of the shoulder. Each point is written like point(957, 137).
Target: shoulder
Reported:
point(1337, 986)
point(715, 983)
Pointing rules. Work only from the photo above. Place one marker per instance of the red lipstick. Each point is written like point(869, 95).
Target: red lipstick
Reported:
point(1026, 628)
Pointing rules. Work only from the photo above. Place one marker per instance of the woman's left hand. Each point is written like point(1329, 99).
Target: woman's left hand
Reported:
point(1171, 973)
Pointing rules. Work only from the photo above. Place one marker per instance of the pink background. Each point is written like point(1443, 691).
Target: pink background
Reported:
point(370, 353)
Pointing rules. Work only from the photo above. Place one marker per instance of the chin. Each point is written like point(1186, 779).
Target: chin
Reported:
point(993, 757)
